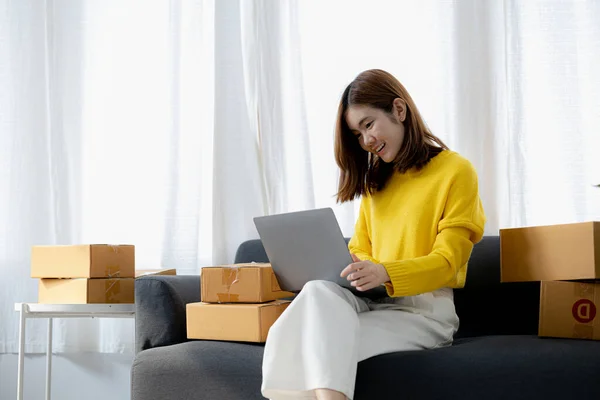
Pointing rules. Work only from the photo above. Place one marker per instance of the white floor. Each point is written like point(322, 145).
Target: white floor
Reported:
point(89, 376)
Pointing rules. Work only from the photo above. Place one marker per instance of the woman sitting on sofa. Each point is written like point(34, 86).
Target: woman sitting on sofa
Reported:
point(420, 215)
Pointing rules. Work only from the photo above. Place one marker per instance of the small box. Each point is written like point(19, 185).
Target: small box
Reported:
point(550, 253)
point(233, 322)
point(146, 272)
point(240, 283)
point(86, 291)
point(83, 261)
point(570, 310)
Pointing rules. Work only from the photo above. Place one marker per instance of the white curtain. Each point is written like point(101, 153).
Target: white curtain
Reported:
point(153, 123)
point(170, 124)
point(40, 124)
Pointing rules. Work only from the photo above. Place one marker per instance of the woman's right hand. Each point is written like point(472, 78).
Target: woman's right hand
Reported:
point(365, 275)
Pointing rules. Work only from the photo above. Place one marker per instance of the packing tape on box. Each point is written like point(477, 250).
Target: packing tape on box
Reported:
point(585, 290)
point(229, 276)
point(113, 271)
point(113, 287)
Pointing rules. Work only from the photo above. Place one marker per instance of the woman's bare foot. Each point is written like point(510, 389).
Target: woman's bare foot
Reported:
point(328, 394)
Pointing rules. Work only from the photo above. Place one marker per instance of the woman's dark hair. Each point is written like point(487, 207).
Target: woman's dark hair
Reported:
point(360, 171)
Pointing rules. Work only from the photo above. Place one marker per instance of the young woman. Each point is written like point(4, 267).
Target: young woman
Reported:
point(420, 216)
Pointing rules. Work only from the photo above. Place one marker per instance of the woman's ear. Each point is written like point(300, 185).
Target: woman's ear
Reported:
point(400, 109)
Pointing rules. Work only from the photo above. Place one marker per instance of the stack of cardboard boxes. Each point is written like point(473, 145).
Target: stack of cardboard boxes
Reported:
point(84, 274)
point(566, 260)
point(240, 302)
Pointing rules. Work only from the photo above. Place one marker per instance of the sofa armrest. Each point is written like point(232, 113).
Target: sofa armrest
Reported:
point(160, 309)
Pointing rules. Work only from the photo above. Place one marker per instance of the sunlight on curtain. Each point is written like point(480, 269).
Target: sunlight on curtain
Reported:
point(554, 111)
point(108, 120)
point(169, 125)
point(340, 39)
point(510, 85)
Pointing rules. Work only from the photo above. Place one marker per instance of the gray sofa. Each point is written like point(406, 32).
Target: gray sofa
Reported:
point(496, 354)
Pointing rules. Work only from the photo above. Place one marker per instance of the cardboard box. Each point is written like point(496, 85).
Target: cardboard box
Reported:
point(570, 310)
point(233, 322)
point(83, 261)
point(550, 253)
point(146, 272)
point(240, 283)
point(86, 291)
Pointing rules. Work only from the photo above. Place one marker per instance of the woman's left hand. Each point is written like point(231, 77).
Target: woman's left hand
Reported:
point(365, 275)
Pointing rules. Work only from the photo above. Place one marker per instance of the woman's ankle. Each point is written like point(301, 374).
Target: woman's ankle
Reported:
point(328, 394)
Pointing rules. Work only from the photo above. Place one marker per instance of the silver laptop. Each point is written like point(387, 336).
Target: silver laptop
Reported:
point(307, 245)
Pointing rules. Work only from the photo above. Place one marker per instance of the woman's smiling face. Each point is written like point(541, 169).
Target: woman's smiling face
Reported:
point(377, 131)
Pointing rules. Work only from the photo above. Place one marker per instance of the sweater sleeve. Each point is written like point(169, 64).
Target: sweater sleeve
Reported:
point(459, 229)
point(360, 243)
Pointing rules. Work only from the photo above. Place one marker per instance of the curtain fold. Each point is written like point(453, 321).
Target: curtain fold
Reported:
point(40, 125)
point(275, 101)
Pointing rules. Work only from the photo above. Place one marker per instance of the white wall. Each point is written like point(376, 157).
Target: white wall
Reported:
point(90, 376)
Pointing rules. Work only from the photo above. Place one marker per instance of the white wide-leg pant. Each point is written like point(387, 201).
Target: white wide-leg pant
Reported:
point(319, 339)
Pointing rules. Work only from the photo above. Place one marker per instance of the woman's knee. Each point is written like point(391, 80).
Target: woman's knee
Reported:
point(325, 290)
point(320, 286)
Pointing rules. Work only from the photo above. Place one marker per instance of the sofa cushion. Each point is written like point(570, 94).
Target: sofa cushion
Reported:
point(198, 370)
point(494, 367)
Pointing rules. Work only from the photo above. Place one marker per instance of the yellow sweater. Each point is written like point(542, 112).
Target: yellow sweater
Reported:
point(422, 226)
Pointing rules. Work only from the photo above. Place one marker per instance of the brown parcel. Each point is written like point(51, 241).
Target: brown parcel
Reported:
point(146, 272)
point(569, 310)
point(234, 322)
point(86, 291)
point(550, 253)
point(240, 283)
point(83, 261)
